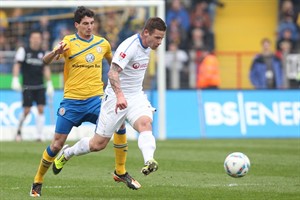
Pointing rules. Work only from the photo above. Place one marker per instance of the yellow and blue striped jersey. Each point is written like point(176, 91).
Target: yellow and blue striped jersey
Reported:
point(83, 66)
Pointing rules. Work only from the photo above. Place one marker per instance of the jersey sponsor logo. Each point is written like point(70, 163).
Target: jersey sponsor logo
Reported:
point(34, 61)
point(139, 66)
point(86, 66)
point(90, 58)
point(62, 111)
point(136, 65)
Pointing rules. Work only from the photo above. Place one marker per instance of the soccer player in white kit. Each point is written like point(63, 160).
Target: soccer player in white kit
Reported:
point(124, 97)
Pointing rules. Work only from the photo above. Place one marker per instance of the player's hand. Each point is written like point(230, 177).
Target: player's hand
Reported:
point(121, 103)
point(15, 84)
point(60, 49)
point(49, 89)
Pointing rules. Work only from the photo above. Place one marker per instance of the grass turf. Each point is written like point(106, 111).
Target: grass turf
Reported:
point(188, 169)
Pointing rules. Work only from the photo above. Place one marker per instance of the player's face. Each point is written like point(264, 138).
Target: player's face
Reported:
point(85, 27)
point(154, 40)
point(35, 40)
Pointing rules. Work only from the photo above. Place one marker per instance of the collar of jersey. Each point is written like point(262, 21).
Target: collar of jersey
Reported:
point(140, 39)
point(84, 50)
point(78, 37)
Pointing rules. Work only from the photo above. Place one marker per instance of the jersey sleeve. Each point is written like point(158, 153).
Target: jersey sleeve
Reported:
point(108, 55)
point(20, 55)
point(124, 54)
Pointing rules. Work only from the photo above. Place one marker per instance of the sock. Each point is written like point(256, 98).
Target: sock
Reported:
point(121, 148)
point(80, 148)
point(40, 121)
point(46, 161)
point(147, 145)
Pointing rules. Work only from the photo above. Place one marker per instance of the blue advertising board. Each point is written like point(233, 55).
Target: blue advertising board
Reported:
point(232, 113)
point(195, 114)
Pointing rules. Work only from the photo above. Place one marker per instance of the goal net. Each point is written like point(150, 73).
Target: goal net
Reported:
point(115, 20)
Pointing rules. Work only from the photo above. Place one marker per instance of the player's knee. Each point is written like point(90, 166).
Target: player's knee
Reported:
point(56, 147)
point(143, 124)
point(98, 143)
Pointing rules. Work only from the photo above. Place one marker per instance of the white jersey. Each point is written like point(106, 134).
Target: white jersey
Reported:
point(133, 58)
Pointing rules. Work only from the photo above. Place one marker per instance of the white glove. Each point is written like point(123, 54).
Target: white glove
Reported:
point(15, 84)
point(50, 89)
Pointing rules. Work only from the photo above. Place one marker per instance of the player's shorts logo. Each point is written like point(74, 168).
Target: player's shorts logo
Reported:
point(62, 111)
point(90, 58)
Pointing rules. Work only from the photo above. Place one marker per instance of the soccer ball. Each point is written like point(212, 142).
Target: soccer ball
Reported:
point(237, 164)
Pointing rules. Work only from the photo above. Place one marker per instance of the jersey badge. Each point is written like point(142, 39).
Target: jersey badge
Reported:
point(122, 55)
point(62, 111)
point(90, 58)
point(99, 49)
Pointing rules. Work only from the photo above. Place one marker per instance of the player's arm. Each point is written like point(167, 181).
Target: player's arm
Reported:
point(16, 69)
point(15, 84)
point(109, 59)
point(108, 55)
point(47, 75)
point(19, 58)
point(58, 50)
point(113, 76)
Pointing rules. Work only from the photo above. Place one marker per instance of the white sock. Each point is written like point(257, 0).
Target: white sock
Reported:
point(80, 148)
point(147, 145)
point(40, 122)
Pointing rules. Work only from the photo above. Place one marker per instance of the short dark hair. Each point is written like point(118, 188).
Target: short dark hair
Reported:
point(155, 23)
point(81, 12)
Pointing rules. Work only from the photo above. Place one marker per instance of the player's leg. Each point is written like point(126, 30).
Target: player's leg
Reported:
point(27, 103)
point(26, 111)
point(120, 140)
point(40, 100)
point(147, 144)
point(120, 148)
point(63, 128)
point(84, 146)
point(140, 115)
point(47, 159)
point(40, 122)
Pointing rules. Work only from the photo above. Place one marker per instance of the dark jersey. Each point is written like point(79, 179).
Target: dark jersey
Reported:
point(32, 67)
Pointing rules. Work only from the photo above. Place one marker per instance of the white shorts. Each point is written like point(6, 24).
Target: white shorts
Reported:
point(109, 121)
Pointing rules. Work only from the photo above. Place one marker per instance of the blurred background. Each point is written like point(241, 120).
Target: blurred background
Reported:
point(211, 54)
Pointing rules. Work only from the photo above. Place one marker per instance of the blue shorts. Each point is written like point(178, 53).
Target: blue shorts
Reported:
point(73, 112)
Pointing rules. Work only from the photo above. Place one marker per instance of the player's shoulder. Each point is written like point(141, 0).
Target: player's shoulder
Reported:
point(70, 37)
point(132, 39)
point(130, 43)
point(98, 38)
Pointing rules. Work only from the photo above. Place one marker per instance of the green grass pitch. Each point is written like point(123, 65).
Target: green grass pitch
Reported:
point(188, 169)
